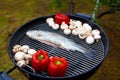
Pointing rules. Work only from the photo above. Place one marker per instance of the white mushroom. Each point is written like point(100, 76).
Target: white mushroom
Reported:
point(72, 22)
point(88, 33)
point(49, 19)
point(25, 48)
point(72, 25)
point(16, 48)
point(82, 36)
point(97, 37)
point(78, 23)
point(31, 51)
point(95, 32)
point(87, 27)
point(21, 63)
point(75, 31)
point(55, 26)
point(82, 33)
point(19, 56)
point(51, 23)
point(27, 58)
point(67, 31)
point(89, 40)
point(82, 30)
point(63, 26)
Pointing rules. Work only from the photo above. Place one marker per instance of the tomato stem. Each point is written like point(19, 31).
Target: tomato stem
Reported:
point(41, 57)
point(58, 62)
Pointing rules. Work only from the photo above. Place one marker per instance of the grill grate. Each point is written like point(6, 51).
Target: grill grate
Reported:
point(78, 63)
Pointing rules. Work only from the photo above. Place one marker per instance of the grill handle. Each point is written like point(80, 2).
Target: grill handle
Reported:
point(84, 16)
point(5, 76)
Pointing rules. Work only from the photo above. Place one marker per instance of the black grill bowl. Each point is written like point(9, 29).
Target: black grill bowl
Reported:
point(79, 66)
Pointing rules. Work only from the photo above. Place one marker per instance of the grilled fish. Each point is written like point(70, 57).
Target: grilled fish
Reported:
point(57, 40)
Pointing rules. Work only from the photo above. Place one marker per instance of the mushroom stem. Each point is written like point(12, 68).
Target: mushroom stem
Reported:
point(21, 63)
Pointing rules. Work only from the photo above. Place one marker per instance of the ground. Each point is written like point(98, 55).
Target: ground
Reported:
point(14, 13)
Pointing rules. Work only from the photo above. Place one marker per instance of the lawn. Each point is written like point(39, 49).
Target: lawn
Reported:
point(14, 13)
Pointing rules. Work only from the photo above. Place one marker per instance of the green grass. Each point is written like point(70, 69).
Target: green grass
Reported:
point(14, 13)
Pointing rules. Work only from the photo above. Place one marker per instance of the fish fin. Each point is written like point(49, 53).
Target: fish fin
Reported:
point(90, 53)
point(48, 43)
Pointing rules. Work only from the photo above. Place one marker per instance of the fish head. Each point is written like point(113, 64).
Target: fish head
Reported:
point(34, 34)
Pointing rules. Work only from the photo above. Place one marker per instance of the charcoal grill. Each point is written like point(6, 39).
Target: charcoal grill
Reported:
point(78, 63)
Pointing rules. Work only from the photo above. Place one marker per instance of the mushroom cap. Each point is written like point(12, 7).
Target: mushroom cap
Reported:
point(78, 23)
point(51, 23)
point(49, 19)
point(89, 40)
point(87, 27)
point(25, 48)
point(97, 37)
point(95, 32)
point(55, 26)
point(16, 48)
point(31, 51)
point(63, 26)
point(19, 56)
point(67, 31)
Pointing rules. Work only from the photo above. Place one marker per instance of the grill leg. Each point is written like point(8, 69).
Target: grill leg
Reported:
point(71, 7)
point(11, 70)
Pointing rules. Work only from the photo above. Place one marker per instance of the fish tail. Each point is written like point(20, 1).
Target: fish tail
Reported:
point(90, 53)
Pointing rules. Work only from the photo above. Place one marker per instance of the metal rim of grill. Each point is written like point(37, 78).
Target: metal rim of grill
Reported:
point(78, 63)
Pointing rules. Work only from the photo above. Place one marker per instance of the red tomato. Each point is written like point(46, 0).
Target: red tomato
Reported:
point(59, 18)
point(40, 61)
point(57, 67)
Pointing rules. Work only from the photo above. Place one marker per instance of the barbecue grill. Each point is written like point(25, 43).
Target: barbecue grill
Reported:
point(78, 63)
